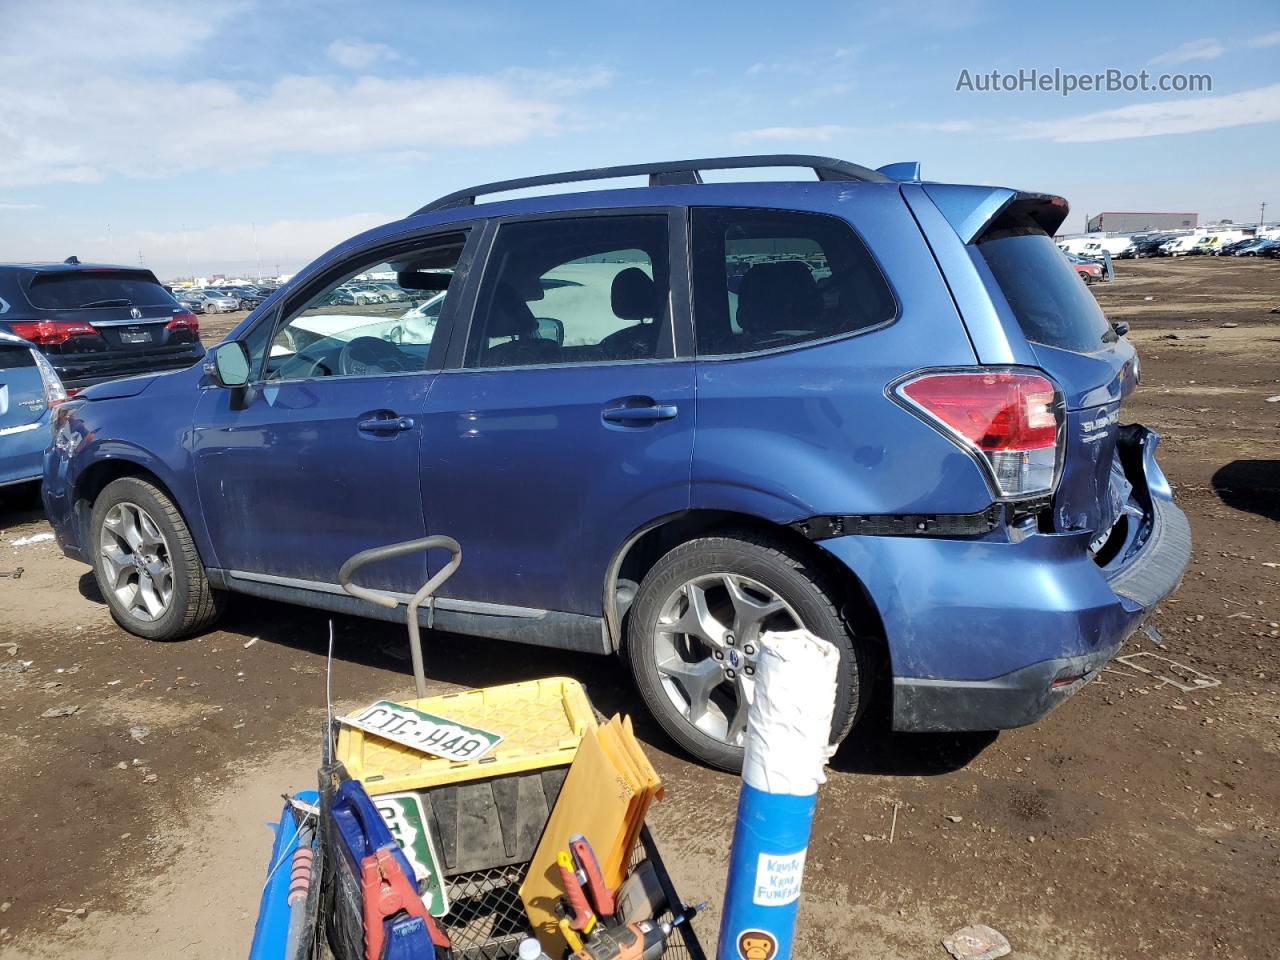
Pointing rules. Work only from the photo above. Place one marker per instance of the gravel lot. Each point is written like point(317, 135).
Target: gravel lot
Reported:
point(1136, 821)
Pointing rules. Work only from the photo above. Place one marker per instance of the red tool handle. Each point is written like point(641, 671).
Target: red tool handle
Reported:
point(582, 918)
point(387, 891)
point(585, 857)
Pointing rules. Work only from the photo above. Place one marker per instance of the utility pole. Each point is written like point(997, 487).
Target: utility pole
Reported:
point(256, 254)
point(1262, 214)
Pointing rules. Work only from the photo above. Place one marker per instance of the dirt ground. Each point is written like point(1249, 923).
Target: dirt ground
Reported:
point(1136, 821)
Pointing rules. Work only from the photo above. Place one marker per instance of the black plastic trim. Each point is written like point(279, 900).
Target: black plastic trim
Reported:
point(900, 524)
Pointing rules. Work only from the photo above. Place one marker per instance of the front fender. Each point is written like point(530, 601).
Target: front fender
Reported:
point(150, 432)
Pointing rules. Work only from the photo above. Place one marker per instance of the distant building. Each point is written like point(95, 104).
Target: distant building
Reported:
point(1129, 222)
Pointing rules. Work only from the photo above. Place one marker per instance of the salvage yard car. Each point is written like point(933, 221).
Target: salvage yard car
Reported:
point(29, 390)
point(96, 322)
point(662, 421)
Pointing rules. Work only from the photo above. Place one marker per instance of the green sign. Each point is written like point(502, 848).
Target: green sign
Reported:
point(437, 736)
point(403, 815)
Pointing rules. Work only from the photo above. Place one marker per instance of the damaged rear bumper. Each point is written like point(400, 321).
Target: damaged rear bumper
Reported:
point(989, 634)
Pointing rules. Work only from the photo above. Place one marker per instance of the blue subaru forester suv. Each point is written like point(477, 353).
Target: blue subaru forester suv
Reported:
point(661, 420)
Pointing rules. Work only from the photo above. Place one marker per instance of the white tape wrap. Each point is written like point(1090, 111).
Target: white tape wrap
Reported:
point(789, 721)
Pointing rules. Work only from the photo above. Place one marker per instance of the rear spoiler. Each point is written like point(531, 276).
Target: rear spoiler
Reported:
point(972, 210)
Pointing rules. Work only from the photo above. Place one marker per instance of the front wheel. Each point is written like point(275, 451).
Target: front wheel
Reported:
point(146, 563)
point(693, 638)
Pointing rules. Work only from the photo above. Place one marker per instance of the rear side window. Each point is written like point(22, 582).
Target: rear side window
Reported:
point(1051, 303)
point(86, 289)
point(772, 278)
point(15, 358)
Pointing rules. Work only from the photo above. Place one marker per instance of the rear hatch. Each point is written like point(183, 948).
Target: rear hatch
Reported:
point(1072, 342)
point(128, 311)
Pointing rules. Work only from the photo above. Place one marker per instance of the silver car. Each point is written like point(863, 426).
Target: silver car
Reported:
point(215, 302)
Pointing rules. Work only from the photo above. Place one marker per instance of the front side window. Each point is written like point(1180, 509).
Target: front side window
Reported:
point(377, 319)
point(574, 290)
point(764, 279)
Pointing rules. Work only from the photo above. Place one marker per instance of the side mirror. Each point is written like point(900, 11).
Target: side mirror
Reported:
point(549, 328)
point(228, 364)
point(1121, 327)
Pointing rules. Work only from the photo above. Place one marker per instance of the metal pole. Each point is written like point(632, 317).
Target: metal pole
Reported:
point(788, 730)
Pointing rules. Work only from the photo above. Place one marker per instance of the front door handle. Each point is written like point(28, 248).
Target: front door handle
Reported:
point(385, 425)
point(638, 415)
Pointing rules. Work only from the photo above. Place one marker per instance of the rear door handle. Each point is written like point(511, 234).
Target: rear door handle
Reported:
point(385, 424)
point(637, 415)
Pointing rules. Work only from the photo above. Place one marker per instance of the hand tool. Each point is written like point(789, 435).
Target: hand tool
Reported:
point(15, 574)
point(570, 935)
point(581, 917)
point(588, 866)
point(388, 893)
point(636, 941)
point(640, 897)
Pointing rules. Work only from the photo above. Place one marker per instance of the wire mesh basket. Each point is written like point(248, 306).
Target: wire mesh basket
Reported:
point(486, 918)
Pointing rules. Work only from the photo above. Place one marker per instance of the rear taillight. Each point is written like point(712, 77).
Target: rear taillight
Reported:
point(51, 333)
point(1011, 419)
point(54, 392)
point(184, 321)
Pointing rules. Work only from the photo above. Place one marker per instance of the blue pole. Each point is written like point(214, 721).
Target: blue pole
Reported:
point(788, 728)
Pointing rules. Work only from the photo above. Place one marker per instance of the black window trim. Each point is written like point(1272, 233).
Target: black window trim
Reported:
point(376, 252)
point(680, 307)
point(804, 344)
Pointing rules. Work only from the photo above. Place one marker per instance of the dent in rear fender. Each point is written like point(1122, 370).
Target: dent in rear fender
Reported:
point(977, 609)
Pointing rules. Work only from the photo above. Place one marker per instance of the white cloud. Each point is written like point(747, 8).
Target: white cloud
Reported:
point(357, 55)
point(75, 113)
point(561, 82)
point(1191, 50)
point(9, 205)
point(231, 246)
point(823, 132)
point(119, 125)
point(223, 248)
point(1259, 105)
point(1266, 40)
point(943, 126)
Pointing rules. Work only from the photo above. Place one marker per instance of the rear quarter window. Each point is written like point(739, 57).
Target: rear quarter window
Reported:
point(76, 290)
point(13, 357)
point(764, 279)
point(1051, 303)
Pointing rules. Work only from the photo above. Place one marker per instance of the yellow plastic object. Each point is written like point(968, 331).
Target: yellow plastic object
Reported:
point(541, 723)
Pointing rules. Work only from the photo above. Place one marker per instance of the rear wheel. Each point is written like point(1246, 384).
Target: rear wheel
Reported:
point(146, 563)
point(694, 630)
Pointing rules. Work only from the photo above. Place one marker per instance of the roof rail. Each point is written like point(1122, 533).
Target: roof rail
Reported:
point(664, 174)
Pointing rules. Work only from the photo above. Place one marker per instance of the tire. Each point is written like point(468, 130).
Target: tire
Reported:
point(759, 566)
point(132, 517)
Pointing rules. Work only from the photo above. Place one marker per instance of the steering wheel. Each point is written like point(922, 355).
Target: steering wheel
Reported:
point(366, 355)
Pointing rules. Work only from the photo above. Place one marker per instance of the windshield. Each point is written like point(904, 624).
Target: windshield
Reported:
point(1051, 304)
point(74, 290)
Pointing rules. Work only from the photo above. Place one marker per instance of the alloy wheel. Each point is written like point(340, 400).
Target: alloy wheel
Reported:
point(137, 564)
point(707, 645)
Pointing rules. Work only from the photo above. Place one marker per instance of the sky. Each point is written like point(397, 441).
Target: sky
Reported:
point(234, 136)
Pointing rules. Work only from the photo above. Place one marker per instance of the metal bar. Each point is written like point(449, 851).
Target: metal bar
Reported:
point(386, 600)
point(671, 171)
